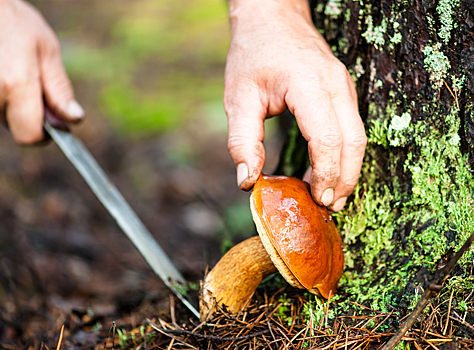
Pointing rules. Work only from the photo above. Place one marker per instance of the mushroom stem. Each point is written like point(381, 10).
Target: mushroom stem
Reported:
point(234, 279)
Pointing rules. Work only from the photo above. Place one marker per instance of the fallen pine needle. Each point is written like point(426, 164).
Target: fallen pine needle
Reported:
point(60, 338)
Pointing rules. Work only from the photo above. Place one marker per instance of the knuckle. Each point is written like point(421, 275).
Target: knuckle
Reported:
point(339, 69)
point(15, 84)
point(325, 176)
point(342, 92)
point(228, 103)
point(322, 94)
point(349, 184)
point(235, 142)
point(58, 81)
point(53, 47)
point(242, 147)
point(358, 142)
point(329, 138)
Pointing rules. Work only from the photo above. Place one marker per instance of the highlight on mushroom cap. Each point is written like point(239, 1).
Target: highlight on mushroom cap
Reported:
point(299, 235)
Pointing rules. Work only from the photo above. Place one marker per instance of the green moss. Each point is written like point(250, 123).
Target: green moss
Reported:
point(378, 133)
point(315, 310)
point(284, 310)
point(439, 205)
point(401, 346)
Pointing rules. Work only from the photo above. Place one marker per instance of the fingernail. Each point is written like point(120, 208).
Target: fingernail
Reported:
point(339, 204)
point(242, 173)
point(307, 175)
point(74, 110)
point(327, 197)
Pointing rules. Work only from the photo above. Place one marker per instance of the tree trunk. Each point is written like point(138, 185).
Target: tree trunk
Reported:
point(413, 63)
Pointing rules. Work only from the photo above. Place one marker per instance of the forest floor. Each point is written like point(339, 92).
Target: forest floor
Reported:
point(64, 261)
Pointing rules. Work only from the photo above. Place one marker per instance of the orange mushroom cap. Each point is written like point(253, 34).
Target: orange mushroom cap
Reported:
point(298, 234)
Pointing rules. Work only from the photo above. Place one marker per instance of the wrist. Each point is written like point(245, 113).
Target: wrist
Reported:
point(251, 14)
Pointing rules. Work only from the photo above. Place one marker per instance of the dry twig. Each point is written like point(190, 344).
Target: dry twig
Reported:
point(433, 289)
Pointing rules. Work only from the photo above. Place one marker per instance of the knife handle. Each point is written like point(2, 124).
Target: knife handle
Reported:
point(55, 122)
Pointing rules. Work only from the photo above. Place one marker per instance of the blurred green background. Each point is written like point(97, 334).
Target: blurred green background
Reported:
point(158, 63)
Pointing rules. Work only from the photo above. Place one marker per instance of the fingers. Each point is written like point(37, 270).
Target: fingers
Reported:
point(24, 112)
point(31, 68)
point(319, 125)
point(245, 115)
point(331, 124)
point(56, 86)
point(354, 141)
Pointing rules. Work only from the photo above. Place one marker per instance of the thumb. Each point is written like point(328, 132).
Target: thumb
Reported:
point(57, 88)
point(246, 115)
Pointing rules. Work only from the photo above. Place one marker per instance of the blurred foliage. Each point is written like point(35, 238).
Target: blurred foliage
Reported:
point(161, 63)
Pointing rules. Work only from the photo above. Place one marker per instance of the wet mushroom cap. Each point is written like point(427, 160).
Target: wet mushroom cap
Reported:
point(299, 235)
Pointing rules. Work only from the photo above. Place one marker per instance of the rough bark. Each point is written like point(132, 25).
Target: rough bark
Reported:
point(413, 63)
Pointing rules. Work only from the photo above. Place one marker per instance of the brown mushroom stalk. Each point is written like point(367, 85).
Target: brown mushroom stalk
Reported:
point(234, 279)
point(297, 237)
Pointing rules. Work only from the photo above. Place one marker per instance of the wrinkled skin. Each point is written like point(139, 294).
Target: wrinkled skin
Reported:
point(277, 61)
point(31, 70)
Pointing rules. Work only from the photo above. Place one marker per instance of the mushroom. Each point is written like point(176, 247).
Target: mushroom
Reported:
point(297, 237)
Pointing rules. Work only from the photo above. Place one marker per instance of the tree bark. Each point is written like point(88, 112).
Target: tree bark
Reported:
point(413, 63)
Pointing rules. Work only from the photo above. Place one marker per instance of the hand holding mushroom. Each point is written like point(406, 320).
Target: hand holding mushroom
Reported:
point(297, 237)
point(277, 60)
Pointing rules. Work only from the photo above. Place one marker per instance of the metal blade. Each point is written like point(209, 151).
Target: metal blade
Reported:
point(120, 210)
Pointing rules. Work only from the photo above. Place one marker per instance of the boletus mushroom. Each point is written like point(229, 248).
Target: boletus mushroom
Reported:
point(297, 237)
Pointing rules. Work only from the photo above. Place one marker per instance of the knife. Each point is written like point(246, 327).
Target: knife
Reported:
point(117, 206)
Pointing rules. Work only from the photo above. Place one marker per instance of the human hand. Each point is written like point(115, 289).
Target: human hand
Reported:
point(30, 69)
point(277, 61)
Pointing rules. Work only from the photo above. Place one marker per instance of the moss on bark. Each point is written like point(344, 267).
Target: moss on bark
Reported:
point(413, 63)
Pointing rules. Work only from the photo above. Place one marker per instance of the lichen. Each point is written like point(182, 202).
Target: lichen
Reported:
point(458, 83)
point(333, 8)
point(347, 15)
point(375, 34)
point(397, 36)
point(400, 123)
point(437, 64)
point(357, 71)
point(445, 10)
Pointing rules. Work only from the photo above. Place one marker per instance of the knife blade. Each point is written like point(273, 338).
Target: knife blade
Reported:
point(118, 207)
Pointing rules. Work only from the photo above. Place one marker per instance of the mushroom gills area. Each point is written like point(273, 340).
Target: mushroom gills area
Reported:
point(272, 252)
